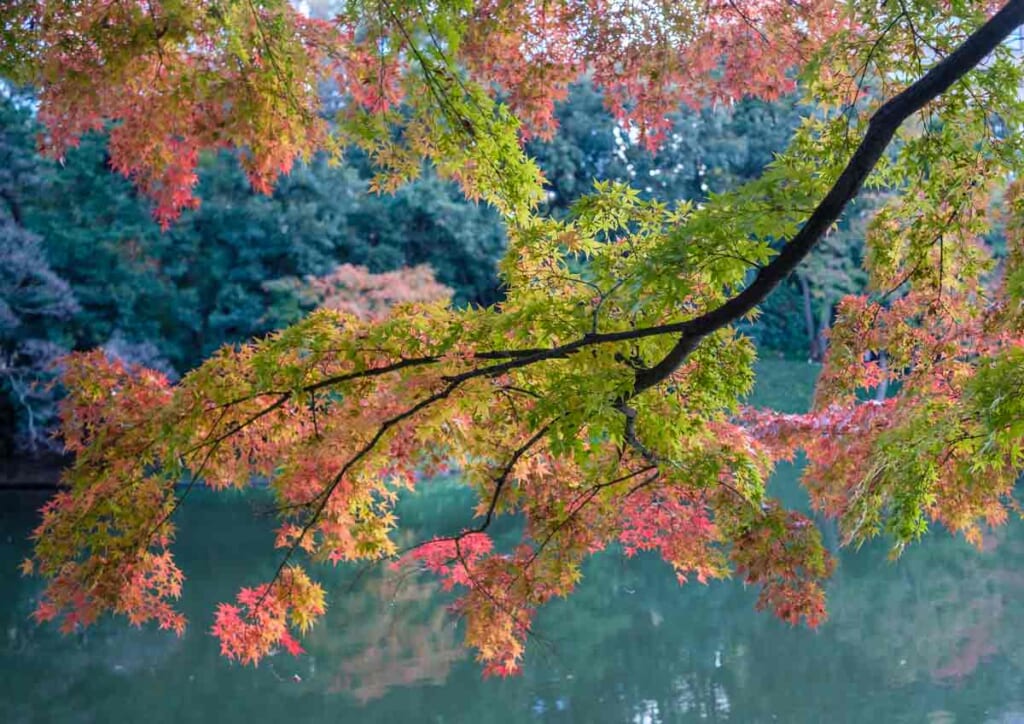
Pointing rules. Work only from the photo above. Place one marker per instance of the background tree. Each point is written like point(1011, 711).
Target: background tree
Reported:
point(34, 300)
point(201, 284)
point(169, 299)
point(705, 150)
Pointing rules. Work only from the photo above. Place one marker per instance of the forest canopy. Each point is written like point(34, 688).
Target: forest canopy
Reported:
point(600, 399)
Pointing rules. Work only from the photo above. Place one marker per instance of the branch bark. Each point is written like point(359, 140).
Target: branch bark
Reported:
point(881, 129)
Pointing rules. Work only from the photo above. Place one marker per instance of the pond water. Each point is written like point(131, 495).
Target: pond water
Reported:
point(934, 637)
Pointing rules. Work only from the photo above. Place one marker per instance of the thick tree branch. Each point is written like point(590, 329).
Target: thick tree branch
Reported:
point(881, 129)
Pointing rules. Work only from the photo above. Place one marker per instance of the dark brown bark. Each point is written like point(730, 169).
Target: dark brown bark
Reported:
point(881, 129)
point(815, 352)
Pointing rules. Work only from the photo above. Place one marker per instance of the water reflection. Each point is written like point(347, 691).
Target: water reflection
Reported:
point(396, 635)
point(932, 638)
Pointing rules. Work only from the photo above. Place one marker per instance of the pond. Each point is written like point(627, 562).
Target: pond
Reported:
point(936, 636)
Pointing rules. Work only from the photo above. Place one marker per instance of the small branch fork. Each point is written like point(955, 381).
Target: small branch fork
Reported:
point(578, 503)
point(631, 439)
point(499, 482)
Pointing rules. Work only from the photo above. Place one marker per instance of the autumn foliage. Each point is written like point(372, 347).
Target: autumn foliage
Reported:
point(354, 290)
point(601, 401)
point(174, 79)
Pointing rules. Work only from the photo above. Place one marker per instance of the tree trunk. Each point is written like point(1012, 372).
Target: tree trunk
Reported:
point(823, 324)
point(883, 387)
point(816, 351)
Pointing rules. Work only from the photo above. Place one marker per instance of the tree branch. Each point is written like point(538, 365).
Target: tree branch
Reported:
point(881, 129)
point(499, 482)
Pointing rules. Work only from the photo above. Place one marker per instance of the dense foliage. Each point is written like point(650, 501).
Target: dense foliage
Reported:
point(600, 400)
point(143, 295)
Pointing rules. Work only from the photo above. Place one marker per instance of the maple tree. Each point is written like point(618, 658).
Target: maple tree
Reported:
point(353, 290)
point(600, 401)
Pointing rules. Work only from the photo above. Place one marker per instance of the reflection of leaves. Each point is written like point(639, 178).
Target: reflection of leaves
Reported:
point(392, 631)
point(936, 614)
point(398, 651)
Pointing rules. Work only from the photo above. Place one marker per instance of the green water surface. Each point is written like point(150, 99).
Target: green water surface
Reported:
point(936, 637)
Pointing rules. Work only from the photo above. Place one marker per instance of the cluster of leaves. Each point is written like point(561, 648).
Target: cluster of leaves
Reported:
point(265, 616)
point(341, 413)
point(419, 83)
point(600, 400)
